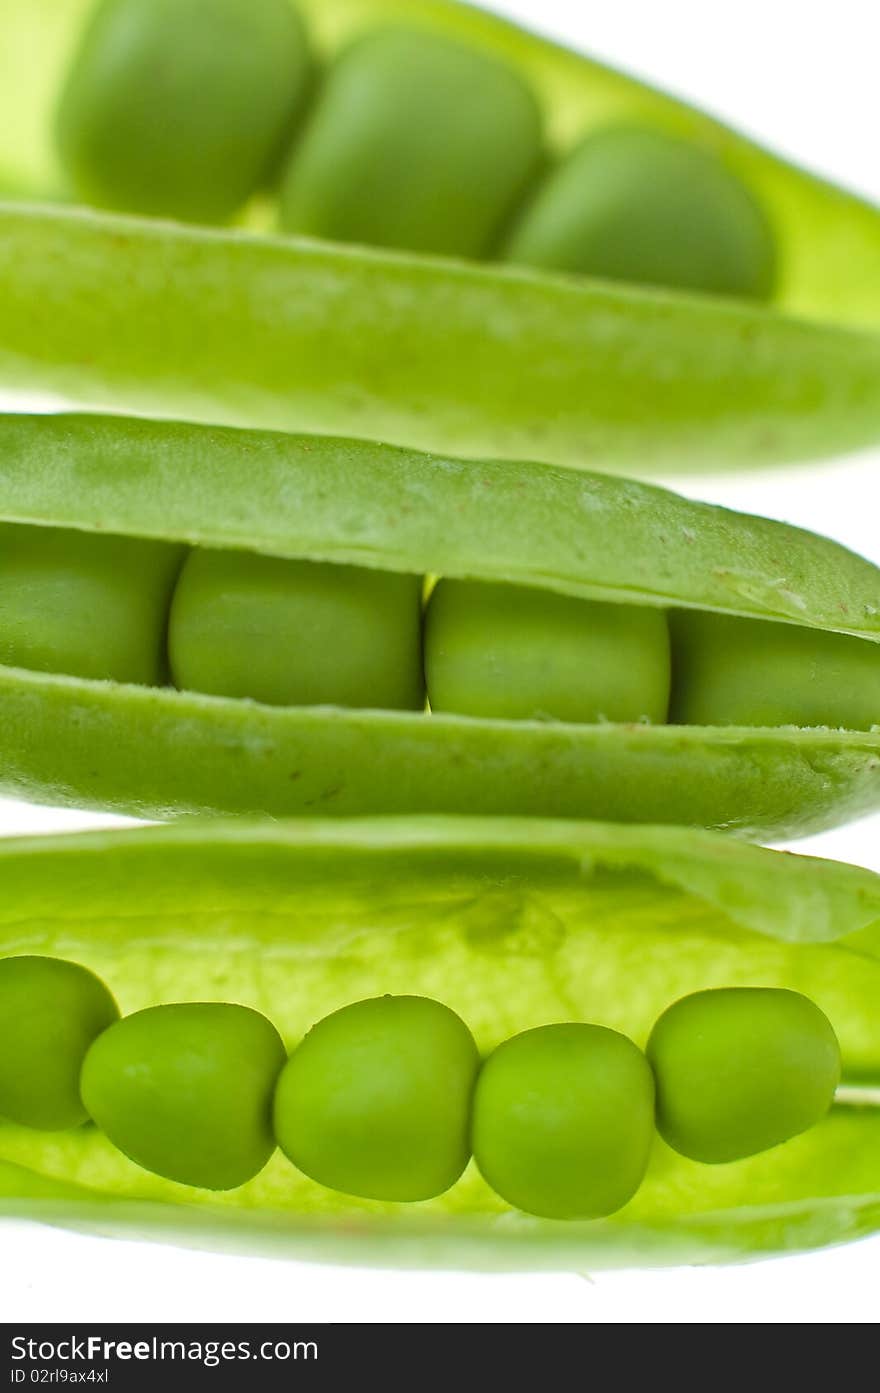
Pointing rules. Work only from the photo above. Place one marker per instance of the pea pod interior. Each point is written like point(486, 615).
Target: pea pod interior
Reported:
point(512, 924)
point(827, 238)
point(157, 751)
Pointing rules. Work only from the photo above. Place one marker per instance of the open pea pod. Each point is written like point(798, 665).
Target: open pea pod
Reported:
point(150, 749)
point(513, 924)
point(439, 354)
point(829, 240)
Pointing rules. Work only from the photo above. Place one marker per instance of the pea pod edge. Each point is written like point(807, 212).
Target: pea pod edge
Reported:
point(225, 327)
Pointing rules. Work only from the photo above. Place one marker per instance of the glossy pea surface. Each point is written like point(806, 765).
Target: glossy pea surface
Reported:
point(740, 1070)
point(563, 1121)
point(416, 142)
point(50, 1012)
point(85, 604)
point(643, 206)
point(375, 1100)
point(185, 1091)
point(752, 672)
point(178, 108)
point(296, 633)
point(518, 653)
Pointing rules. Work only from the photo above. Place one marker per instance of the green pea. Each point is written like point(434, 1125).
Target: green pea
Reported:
point(753, 672)
point(415, 142)
point(50, 1012)
point(85, 604)
point(639, 205)
point(741, 1069)
point(179, 107)
point(186, 1091)
point(522, 654)
point(375, 1101)
point(563, 1121)
point(296, 633)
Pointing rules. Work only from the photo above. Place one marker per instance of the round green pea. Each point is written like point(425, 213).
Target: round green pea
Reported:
point(297, 633)
point(85, 604)
point(375, 1101)
point(50, 1012)
point(563, 1121)
point(752, 672)
point(639, 205)
point(741, 1069)
point(415, 141)
point(518, 653)
point(186, 1091)
point(180, 108)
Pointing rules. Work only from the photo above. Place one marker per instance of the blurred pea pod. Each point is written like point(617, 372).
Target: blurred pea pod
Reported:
point(512, 924)
point(296, 615)
point(402, 346)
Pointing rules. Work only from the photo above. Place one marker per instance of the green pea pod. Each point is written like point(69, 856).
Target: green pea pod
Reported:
point(156, 751)
point(219, 326)
point(828, 238)
point(439, 354)
point(512, 925)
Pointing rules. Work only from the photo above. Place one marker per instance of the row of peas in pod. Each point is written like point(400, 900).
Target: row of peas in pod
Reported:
point(389, 1098)
point(407, 139)
point(299, 633)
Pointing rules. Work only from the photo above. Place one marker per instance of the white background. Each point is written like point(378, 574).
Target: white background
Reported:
point(801, 76)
